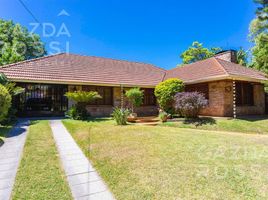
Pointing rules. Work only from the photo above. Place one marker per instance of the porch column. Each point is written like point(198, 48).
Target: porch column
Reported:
point(234, 99)
point(122, 96)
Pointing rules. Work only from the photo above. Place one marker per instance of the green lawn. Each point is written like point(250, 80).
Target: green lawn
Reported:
point(249, 125)
point(142, 162)
point(40, 174)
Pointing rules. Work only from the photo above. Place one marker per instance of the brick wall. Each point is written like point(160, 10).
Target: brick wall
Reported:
point(220, 102)
point(106, 110)
point(259, 103)
point(230, 56)
point(220, 99)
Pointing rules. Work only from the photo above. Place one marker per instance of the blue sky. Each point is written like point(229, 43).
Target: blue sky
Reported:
point(149, 31)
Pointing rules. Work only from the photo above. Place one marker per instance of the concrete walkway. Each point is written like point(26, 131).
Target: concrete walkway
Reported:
point(84, 181)
point(10, 155)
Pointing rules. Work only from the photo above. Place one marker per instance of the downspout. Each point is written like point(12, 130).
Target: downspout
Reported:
point(234, 99)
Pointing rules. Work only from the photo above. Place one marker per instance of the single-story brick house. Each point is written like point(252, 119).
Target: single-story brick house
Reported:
point(230, 88)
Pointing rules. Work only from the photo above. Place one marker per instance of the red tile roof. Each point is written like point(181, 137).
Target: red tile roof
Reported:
point(77, 69)
point(214, 69)
point(70, 68)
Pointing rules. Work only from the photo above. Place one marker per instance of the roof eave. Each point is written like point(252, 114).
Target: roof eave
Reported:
point(226, 77)
point(67, 82)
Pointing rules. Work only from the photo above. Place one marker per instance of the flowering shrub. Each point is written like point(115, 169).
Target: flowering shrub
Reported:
point(188, 104)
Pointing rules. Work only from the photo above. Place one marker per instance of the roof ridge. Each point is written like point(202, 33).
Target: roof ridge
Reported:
point(190, 64)
point(30, 60)
point(221, 66)
point(117, 60)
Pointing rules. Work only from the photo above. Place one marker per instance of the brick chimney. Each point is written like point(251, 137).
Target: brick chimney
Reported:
point(228, 55)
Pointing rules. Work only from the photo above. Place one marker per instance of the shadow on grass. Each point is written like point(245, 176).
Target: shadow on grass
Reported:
point(94, 119)
point(3, 131)
point(9, 131)
point(200, 121)
point(253, 118)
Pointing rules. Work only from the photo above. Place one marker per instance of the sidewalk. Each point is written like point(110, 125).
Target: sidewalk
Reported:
point(84, 181)
point(10, 155)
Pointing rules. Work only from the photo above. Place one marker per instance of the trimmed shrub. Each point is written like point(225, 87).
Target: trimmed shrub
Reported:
point(79, 111)
point(5, 102)
point(165, 92)
point(120, 115)
point(135, 96)
point(188, 104)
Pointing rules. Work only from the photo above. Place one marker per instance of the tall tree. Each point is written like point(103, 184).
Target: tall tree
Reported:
point(259, 36)
point(197, 52)
point(18, 44)
point(242, 57)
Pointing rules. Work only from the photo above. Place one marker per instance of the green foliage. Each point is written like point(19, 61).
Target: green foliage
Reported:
point(120, 115)
point(165, 92)
point(3, 79)
point(197, 52)
point(5, 102)
point(135, 96)
point(242, 57)
point(13, 90)
point(163, 116)
point(83, 96)
point(77, 113)
point(260, 53)
point(259, 36)
point(262, 10)
point(10, 86)
point(17, 44)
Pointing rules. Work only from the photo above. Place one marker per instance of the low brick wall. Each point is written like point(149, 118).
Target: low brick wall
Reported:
point(100, 111)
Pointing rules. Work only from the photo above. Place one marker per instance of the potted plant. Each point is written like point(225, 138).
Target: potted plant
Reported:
point(135, 97)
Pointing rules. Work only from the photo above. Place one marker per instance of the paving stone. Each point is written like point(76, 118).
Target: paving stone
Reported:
point(82, 177)
point(5, 193)
point(10, 154)
point(8, 166)
point(89, 188)
point(80, 162)
point(5, 183)
point(8, 160)
point(7, 174)
point(72, 169)
point(73, 157)
point(100, 196)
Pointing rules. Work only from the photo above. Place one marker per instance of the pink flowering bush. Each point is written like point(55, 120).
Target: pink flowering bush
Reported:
point(188, 104)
